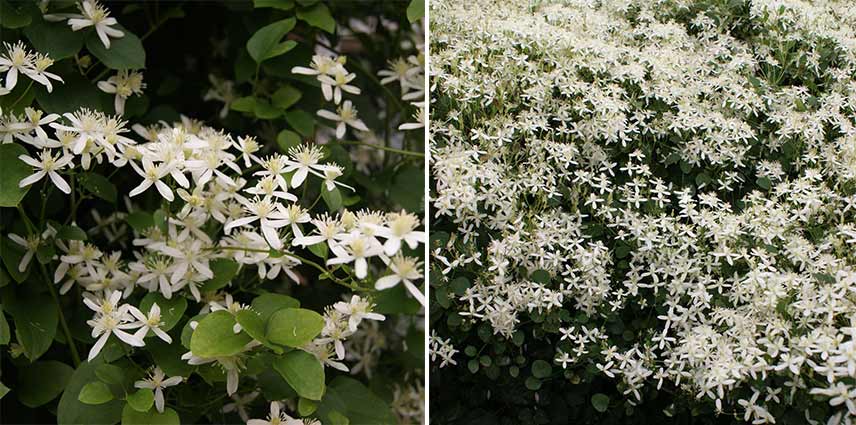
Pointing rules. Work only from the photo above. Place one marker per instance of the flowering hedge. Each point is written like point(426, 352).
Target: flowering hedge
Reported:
point(211, 214)
point(644, 211)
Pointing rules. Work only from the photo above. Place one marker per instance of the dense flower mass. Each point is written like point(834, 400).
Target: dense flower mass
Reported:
point(156, 268)
point(664, 192)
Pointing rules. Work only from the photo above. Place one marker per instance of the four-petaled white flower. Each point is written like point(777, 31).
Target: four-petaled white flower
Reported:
point(47, 164)
point(124, 84)
point(269, 215)
point(110, 318)
point(151, 322)
point(155, 381)
point(152, 174)
point(347, 115)
point(96, 15)
point(405, 270)
point(357, 309)
point(276, 417)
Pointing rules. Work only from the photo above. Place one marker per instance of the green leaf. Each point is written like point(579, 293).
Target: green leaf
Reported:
point(16, 14)
point(224, 270)
point(303, 372)
point(276, 4)
point(286, 96)
point(171, 309)
point(541, 369)
point(152, 417)
point(416, 10)
point(294, 327)
point(395, 300)
point(540, 276)
point(287, 139)
point(764, 183)
point(71, 233)
point(168, 357)
point(99, 186)
point(45, 253)
point(142, 400)
point(35, 323)
point(306, 407)
point(266, 42)
point(263, 110)
point(321, 250)
point(349, 400)
point(532, 383)
point(11, 254)
point(301, 121)
point(125, 53)
point(600, 402)
point(5, 333)
point(140, 221)
point(14, 170)
point(244, 104)
point(253, 325)
point(214, 336)
point(41, 382)
point(267, 304)
point(407, 188)
point(75, 93)
point(333, 198)
point(95, 393)
point(460, 285)
point(71, 411)
point(318, 16)
point(54, 38)
point(3, 390)
point(110, 374)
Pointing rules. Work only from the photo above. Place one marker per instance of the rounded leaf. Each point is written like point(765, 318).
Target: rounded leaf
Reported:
point(214, 336)
point(294, 327)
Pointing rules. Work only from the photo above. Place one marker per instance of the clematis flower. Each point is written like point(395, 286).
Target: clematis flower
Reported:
point(48, 165)
point(346, 116)
point(155, 381)
point(152, 174)
point(405, 270)
point(96, 15)
point(151, 322)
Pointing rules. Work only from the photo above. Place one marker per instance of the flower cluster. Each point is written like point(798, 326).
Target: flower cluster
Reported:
point(233, 203)
point(599, 163)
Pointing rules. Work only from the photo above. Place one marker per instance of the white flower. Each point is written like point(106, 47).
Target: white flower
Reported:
point(321, 65)
point(305, 161)
point(276, 417)
point(31, 244)
point(401, 227)
point(124, 84)
point(357, 310)
point(151, 322)
point(16, 60)
point(94, 14)
point(47, 165)
point(347, 115)
point(333, 86)
point(269, 215)
point(406, 270)
point(152, 174)
point(357, 250)
point(111, 318)
point(156, 382)
point(239, 404)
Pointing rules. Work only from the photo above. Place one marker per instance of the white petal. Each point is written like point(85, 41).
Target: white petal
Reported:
point(59, 182)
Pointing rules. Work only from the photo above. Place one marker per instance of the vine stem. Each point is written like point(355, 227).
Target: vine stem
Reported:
point(27, 90)
point(384, 148)
point(75, 356)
